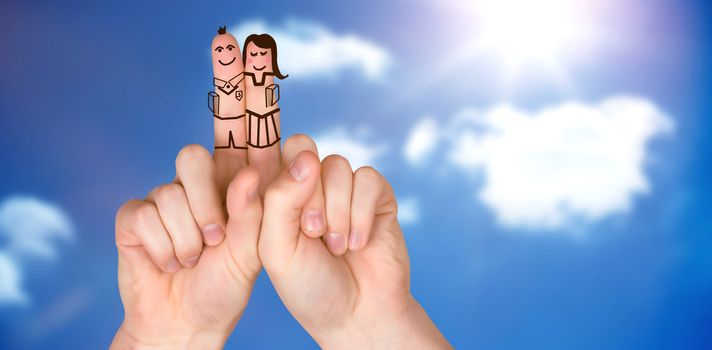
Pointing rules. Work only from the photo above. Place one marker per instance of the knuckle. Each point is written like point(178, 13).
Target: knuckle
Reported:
point(124, 220)
point(191, 153)
point(244, 178)
point(275, 194)
point(125, 209)
point(368, 174)
point(168, 193)
point(145, 213)
point(277, 198)
point(300, 140)
point(337, 161)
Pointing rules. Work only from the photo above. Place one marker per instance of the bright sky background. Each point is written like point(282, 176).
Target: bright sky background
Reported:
point(551, 157)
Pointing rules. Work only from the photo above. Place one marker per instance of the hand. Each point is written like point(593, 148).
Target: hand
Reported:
point(346, 295)
point(176, 291)
point(188, 252)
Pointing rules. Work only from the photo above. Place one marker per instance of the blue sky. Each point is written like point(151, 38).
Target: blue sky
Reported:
point(553, 181)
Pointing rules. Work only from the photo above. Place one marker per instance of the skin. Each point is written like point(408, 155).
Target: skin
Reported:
point(259, 62)
point(356, 298)
point(182, 287)
point(264, 157)
point(227, 63)
point(360, 298)
point(189, 253)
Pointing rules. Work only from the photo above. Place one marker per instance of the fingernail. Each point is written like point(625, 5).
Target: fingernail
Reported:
point(172, 266)
point(213, 234)
point(336, 243)
point(354, 240)
point(313, 221)
point(298, 170)
point(252, 193)
point(191, 262)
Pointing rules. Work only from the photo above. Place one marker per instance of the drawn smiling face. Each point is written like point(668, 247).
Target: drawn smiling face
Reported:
point(259, 60)
point(226, 56)
point(229, 48)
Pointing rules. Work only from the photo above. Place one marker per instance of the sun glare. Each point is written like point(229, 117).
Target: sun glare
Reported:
point(521, 39)
point(526, 30)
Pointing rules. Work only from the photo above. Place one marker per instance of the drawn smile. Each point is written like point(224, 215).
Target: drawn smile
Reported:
point(227, 64)
point(263, 67)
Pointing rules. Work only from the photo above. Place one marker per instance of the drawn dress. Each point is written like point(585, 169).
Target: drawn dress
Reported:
point(263, 130)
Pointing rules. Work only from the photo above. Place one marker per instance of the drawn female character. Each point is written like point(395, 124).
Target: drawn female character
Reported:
point(227, 102)
point(260, 60)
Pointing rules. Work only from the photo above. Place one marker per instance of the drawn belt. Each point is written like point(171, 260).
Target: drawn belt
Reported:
point(228, 117)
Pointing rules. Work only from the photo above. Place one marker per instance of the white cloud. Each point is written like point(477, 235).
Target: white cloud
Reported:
point(564, 164)
point(30, 228)
point(10, 282)
point(408, 211)
point(357, 146)
point(421, 141)
point(308, 49)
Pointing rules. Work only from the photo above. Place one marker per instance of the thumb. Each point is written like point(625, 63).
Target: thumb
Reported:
point(283, 203)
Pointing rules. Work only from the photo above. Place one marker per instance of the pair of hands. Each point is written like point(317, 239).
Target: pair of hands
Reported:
point(328, 238)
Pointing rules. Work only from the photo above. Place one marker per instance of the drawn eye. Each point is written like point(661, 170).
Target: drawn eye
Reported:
point(253, 54)
point(230, 47)
point(219, 49)
point(263, 53)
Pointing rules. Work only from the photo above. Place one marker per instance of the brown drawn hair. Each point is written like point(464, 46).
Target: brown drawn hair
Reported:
point(264, 41)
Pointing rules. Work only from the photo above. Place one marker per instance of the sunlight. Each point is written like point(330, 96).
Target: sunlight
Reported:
point(518, 40)
point(525, 34)
point(521, 30)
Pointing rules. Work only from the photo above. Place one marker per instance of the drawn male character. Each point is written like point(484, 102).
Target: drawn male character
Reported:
point(260, 60)
point(227, 102)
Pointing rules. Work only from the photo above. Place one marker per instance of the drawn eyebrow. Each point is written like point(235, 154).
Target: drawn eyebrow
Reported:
point(219, 48)
point(263, 53)
point(230, 47)
point(253, 54)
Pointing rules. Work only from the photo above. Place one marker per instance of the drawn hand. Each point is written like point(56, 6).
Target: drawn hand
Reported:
point(353, 298)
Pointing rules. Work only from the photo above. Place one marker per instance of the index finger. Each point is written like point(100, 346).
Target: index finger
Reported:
point(227, 103)
point(263, 113)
